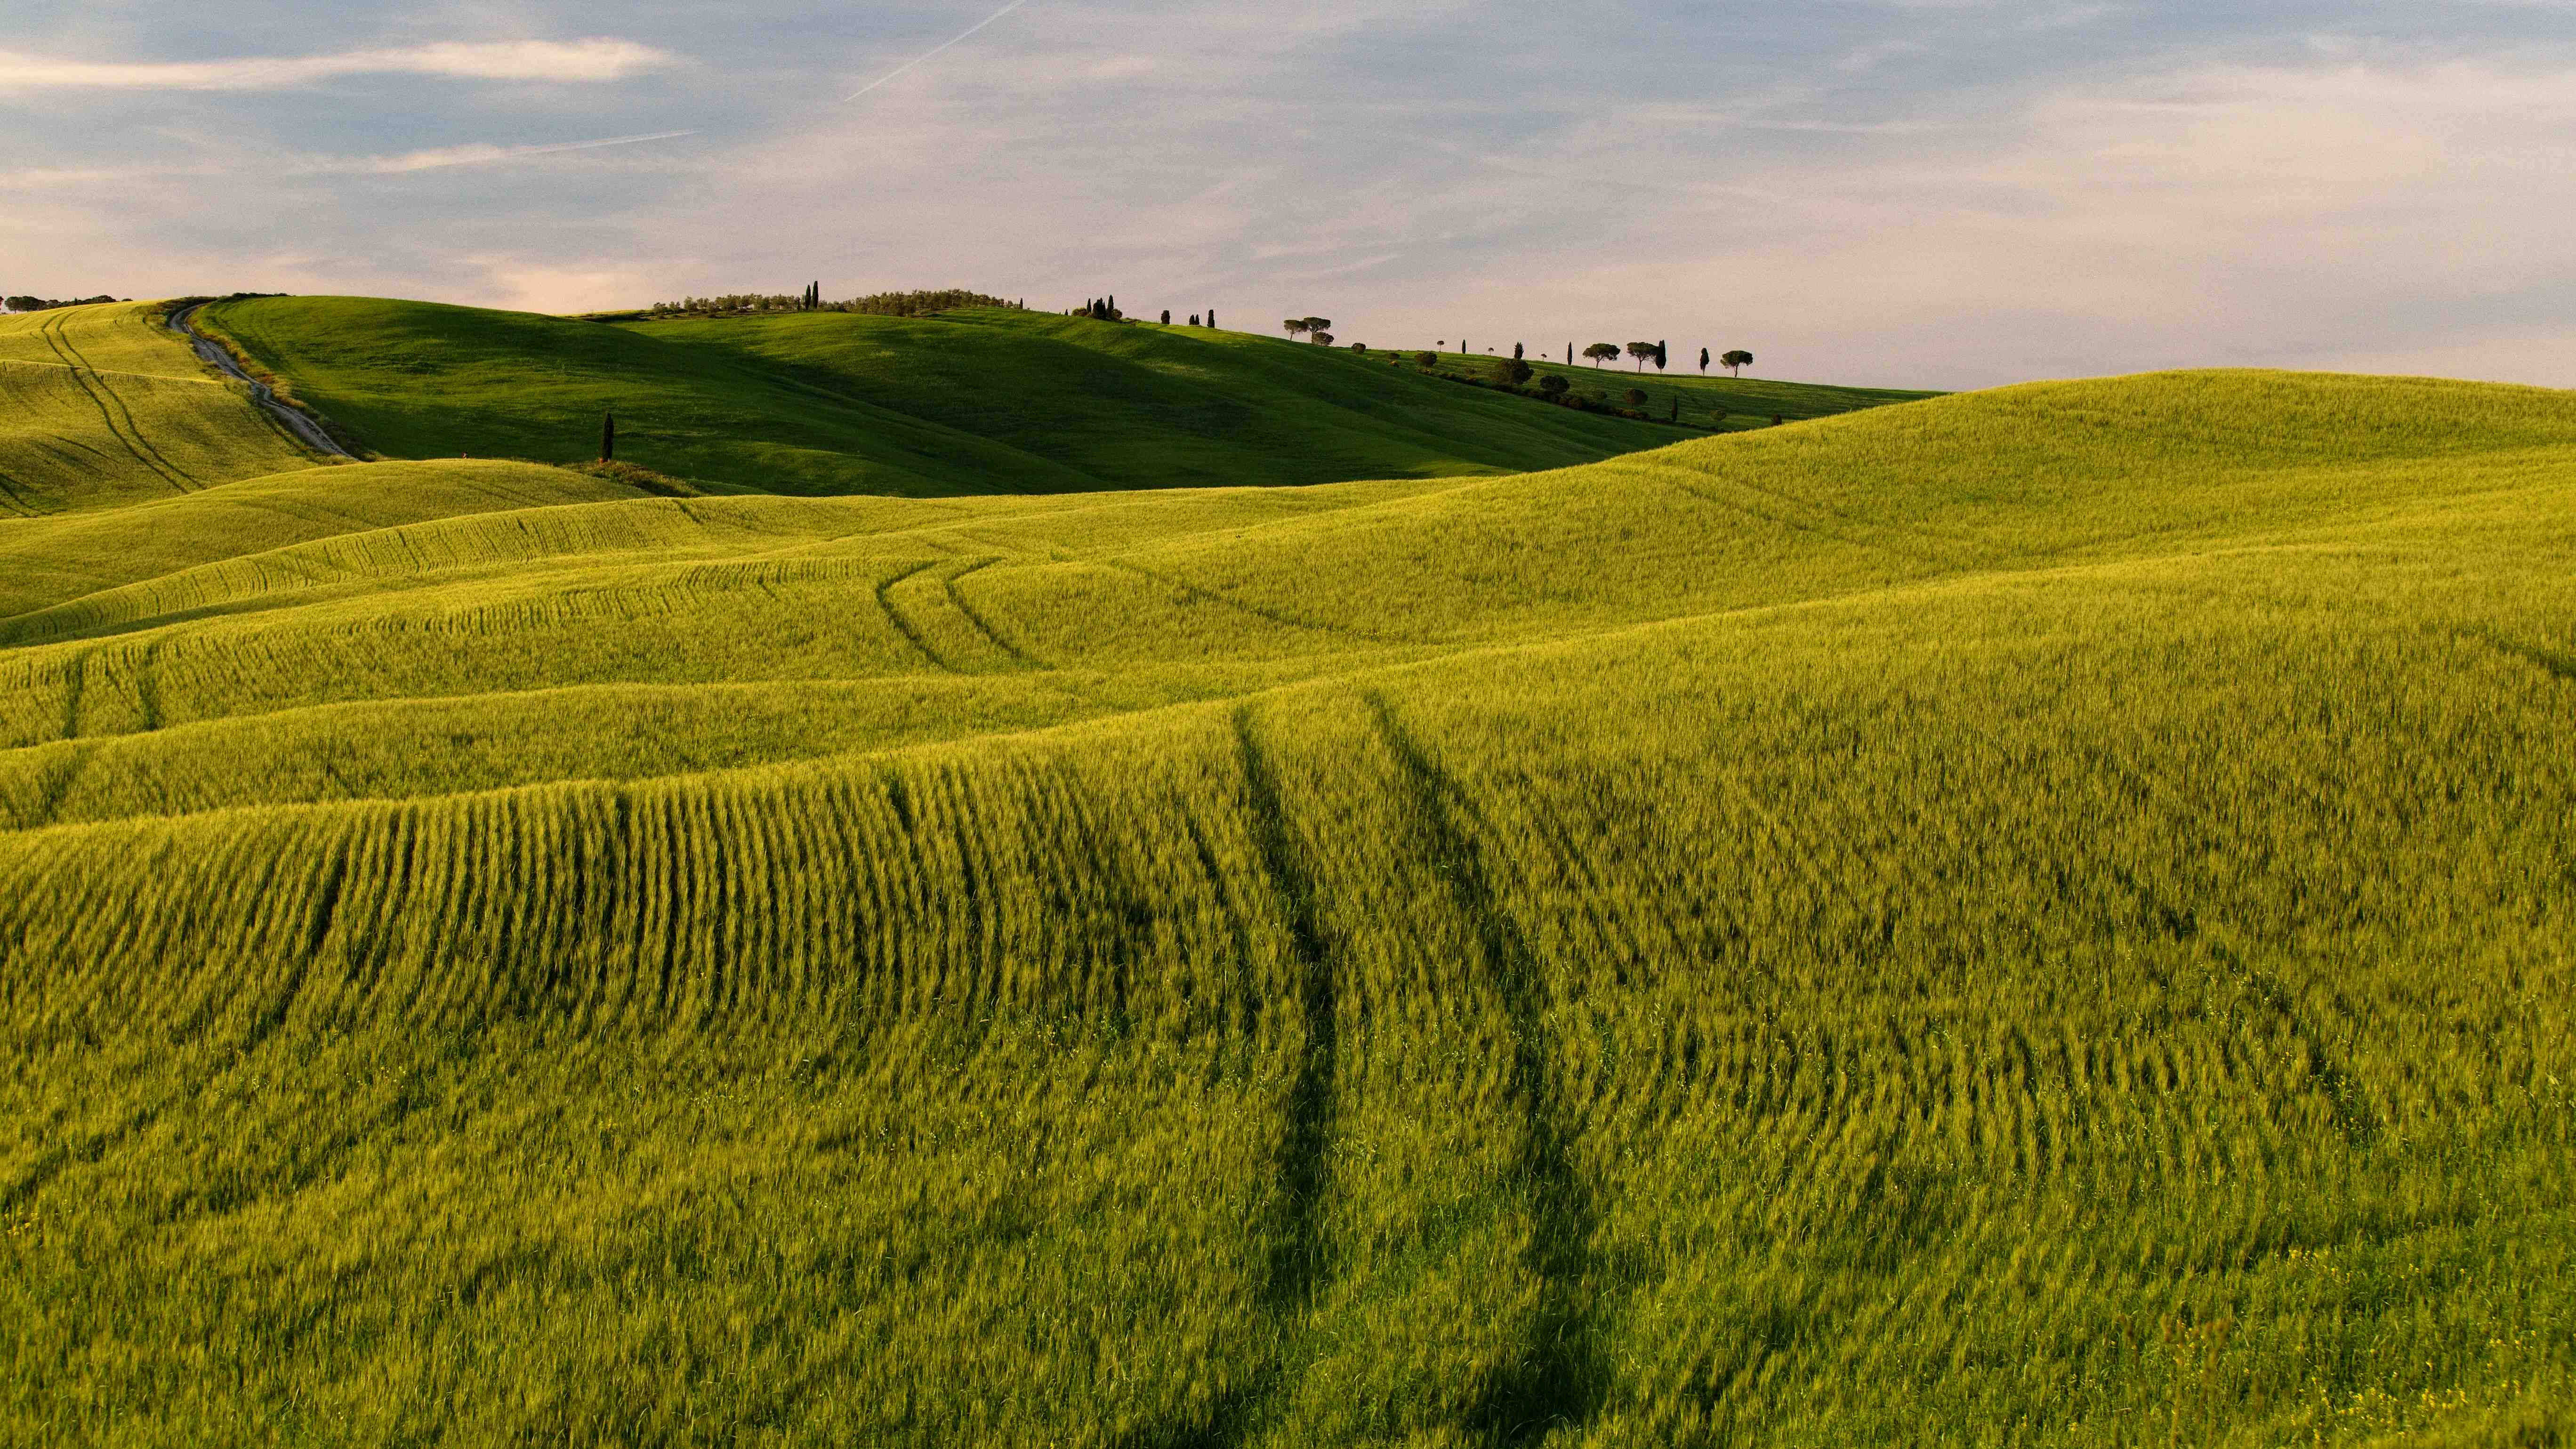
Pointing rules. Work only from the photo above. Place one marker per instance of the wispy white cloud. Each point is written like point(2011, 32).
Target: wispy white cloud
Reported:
point(592, 60)
point(476, 154)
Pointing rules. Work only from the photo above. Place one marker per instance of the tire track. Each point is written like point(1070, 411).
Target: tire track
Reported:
point(1255, 610)
point(17, 500)
point(983, 625)
point(1299, 1264)
point(1560, 1380)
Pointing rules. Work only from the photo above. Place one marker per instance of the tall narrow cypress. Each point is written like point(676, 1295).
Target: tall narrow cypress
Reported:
point(608, 437)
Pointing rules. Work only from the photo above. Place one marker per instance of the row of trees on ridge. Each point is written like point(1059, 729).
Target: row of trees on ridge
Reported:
point(875, 304)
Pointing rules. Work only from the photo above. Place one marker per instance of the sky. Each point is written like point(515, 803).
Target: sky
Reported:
point(1905, 193)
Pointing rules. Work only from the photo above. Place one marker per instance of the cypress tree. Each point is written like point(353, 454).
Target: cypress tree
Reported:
point(1211, 316)
point(1516, 352)
point(608, 437)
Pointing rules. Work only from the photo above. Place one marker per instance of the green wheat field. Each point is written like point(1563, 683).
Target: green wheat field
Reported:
point(1025, 881)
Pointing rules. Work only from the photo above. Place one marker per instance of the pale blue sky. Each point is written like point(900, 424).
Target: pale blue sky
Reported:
point(1937, 193)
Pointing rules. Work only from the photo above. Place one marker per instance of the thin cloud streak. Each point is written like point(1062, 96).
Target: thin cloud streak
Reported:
point(918, 59)
point(476, 154)
point(575, 61)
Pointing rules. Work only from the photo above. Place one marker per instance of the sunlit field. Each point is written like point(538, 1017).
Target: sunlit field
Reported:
point(2037, 917)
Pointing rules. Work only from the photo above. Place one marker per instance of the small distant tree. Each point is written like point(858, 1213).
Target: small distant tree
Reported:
point(1517, 354)
point(1553, 385)
point(1636, 397)
point(1359, 347)
point(1703, 361)
point(1323, 339)
point(1294, 326)
point(1167, 316)
point(1194, 319)
point(1601, 352)
point(608, 437)
point(1211, 317)
point(1321, 329)
point(1427, 359)
point(1641, 351)
point(1737, 361)
point(1663, 354)
point(1517, 372)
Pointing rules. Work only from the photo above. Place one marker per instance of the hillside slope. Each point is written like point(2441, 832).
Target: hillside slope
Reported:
point(986, 401)
point(102, 405)
point(2034, 917)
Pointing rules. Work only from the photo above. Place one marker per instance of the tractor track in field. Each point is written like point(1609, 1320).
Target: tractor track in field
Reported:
point(904, 626)
point(1298, 1266)
point(1558, 1382)
point(1254, 610)
point(176, 474)
point(302, 428)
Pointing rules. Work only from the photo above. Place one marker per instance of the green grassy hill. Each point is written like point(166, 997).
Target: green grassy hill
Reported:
point(2033, 917)
point(979, 402)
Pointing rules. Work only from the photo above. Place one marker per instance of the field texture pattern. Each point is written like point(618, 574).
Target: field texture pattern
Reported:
point(2041, 917)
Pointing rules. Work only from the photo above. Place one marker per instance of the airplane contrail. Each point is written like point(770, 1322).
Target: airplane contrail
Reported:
point(918, 59)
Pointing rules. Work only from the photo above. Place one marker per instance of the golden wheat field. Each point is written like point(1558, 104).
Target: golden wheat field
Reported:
point(2037, 917)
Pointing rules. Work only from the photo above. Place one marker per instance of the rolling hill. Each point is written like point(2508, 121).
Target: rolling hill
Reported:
point(2041, 916)
point(976, 402)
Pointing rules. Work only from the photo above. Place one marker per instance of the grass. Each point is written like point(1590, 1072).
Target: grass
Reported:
point(2033, 917)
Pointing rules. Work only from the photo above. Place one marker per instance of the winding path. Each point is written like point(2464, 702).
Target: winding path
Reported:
point(297, 423)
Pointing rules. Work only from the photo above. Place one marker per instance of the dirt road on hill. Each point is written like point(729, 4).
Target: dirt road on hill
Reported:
point(297, 423)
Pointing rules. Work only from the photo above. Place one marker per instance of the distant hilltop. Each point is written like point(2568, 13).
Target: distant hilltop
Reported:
point(47, 304)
